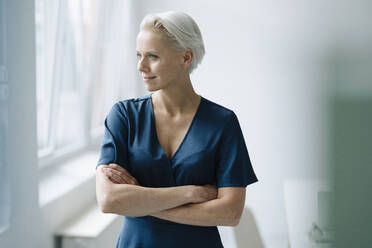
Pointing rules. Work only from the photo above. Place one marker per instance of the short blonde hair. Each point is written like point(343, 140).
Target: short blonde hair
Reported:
point(181, 29)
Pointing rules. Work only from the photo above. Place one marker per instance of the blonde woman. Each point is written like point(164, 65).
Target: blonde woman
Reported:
point(174, 163)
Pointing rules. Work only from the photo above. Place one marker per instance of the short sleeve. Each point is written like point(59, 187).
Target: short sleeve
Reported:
point(114, 145)
point(234, 168)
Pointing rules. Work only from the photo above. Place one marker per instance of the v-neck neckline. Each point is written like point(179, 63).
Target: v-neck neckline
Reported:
point(187, 132)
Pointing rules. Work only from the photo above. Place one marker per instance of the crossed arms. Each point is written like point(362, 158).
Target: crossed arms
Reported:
point(118, 192)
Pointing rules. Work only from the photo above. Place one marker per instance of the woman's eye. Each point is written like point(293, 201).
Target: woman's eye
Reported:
point(153, 56)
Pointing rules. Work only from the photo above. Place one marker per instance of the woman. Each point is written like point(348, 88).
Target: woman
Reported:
point(174, 163)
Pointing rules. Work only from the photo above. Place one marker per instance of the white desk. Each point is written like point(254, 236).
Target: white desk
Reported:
point(301, 203)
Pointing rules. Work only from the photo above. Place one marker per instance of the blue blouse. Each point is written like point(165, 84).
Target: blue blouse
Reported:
point(213, 151)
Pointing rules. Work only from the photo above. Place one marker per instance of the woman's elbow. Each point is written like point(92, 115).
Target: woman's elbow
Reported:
point(106, 208)
point(235, 221)
point(109, 202)
point(234, 218)
point(104, 197)
point(104, 192)
point(104, 202)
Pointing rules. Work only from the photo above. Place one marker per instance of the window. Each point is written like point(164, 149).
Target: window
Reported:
point(81, 49)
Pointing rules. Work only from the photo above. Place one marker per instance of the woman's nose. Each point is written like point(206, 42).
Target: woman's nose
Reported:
point(142, 66)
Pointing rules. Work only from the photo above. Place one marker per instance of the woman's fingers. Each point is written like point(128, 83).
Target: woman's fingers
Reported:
point(102, 175)
point(112, 179)
point(118, 174)
point(124, 173)
point(207, 193)
point(114, 176)
point(120, 177)
point(119, 168)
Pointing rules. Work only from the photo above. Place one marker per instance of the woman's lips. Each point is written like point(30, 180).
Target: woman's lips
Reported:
point(148, 78)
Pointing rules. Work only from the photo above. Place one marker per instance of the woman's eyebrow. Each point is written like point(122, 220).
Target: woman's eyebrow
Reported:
point(151, 51)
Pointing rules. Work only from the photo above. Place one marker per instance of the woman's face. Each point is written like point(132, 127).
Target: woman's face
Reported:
point(159, 65)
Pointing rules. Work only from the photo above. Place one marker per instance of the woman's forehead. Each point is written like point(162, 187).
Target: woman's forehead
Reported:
point(148, 40)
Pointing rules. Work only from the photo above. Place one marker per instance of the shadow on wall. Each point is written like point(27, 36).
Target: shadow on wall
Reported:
point(247, 231)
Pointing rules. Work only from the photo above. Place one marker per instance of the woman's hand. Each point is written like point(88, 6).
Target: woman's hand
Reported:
point(119, 175)
point(205, 193)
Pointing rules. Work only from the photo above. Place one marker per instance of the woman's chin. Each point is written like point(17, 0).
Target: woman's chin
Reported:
point(151, 87)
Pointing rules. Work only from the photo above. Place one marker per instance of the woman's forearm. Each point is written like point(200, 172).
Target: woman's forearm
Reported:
point(134, 200)
point(216, 212)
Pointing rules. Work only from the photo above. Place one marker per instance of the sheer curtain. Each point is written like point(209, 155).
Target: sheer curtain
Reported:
point(84, 50)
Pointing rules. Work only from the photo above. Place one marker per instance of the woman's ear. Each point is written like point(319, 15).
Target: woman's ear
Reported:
point(187, 57)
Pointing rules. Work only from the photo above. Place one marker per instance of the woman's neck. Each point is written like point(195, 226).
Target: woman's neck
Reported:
point(176, 100)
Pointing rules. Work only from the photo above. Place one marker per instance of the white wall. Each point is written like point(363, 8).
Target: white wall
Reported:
point(264, 60)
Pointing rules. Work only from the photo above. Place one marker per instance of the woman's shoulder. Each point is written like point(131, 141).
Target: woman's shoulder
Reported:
point(135, 100)
point(217, 110)
point(128, 108)
point(133, 103)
